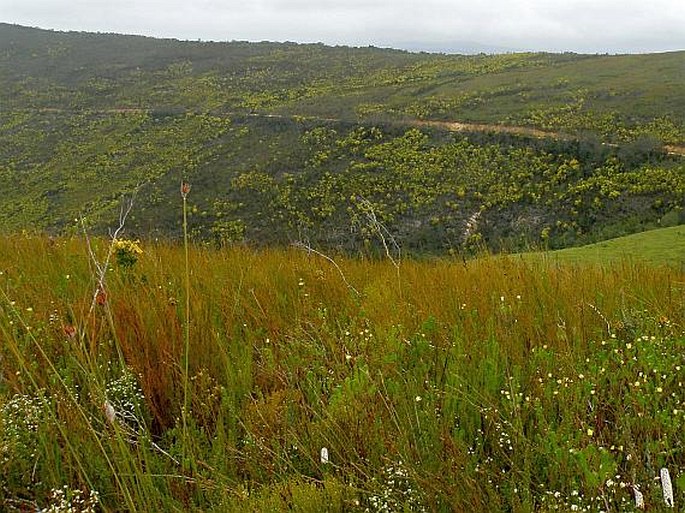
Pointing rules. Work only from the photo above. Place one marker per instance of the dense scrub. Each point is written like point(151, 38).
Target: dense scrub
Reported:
point(270, 180)
point(437, 386)
point(616, 96)
point(288, 142)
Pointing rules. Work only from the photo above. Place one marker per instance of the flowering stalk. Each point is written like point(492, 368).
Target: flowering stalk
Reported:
point(185, 189)
point(667, 487)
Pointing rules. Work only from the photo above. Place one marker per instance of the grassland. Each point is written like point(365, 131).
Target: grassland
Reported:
point(663, 246)
point(488, 385)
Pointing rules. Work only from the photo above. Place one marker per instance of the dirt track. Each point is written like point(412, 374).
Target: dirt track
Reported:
point(456, 126)
point(452, 126)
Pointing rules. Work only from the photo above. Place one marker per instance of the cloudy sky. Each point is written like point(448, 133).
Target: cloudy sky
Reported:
point(612, 26)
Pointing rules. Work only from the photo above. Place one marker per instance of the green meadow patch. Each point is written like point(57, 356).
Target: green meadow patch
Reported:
point(664, 246)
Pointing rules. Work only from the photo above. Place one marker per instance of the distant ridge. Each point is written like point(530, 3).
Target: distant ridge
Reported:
point(453, 47)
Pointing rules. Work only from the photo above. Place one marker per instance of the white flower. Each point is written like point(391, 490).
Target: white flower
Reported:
point(324, 455)
point(667, 487)
point(639, 498)
point(109, 412)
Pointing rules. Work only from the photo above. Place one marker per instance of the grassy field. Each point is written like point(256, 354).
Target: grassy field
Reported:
point(304, 385)
point(664, 246)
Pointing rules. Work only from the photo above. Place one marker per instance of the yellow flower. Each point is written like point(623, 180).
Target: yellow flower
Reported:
point(131, 246)
point(126, 252)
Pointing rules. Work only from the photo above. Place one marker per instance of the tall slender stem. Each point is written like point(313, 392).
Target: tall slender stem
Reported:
point(185, 188)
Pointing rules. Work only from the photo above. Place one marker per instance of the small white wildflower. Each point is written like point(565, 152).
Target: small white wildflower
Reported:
point(639, 498)
point(324, 455)
point(110, 414)
point(418, 399)
point(667, 487)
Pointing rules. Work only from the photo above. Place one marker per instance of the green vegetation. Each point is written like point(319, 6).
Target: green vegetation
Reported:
point(496, 385)
point(231, 373)
point(284, 142)
point(665, 246)
point(615, 96)
point(278, 181)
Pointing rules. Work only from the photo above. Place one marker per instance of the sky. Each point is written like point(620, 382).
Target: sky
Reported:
point(583, 26)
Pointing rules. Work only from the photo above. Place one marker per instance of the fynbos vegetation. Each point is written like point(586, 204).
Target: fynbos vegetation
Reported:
point(496, 385)
point(291, 354)
point(283, 139)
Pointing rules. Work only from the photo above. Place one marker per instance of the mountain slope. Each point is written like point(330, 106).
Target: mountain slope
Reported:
point(80, 70)
point(286, 142)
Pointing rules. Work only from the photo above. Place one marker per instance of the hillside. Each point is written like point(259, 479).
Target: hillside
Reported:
point(286, 142)
point(664, 246)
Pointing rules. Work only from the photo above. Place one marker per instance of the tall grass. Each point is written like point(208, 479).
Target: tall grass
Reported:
point(491, 385)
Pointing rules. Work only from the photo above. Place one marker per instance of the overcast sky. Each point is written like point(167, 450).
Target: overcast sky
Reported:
point(594, 26)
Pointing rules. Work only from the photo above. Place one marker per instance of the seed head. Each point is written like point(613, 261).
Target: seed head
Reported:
point(185, 189)
point(101, 297)
point(110, 413)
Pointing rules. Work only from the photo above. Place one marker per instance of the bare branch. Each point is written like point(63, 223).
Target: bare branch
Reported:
point(124, 211)
point(306, 247)
point(381, 231)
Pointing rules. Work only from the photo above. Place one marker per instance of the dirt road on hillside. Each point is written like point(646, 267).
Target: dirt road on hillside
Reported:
point(456, 126)
point(451, 126)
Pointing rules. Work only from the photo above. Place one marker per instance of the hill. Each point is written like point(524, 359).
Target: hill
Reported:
point(105, 71)
point(286, 142)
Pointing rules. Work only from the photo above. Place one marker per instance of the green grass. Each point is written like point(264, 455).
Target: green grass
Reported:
point(493, 385)
point(663, 246)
